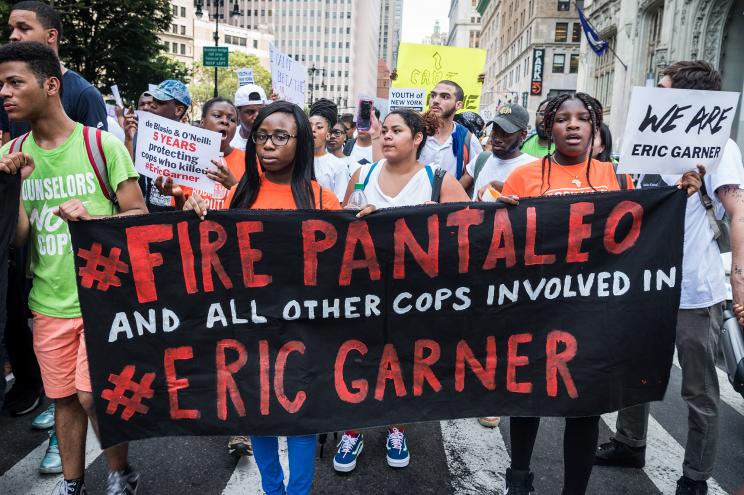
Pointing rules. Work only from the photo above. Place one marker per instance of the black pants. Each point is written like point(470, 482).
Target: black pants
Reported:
point(18, 337)
point(579, 445)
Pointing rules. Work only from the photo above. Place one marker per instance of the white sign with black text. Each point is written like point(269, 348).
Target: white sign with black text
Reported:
point(670, 131)
point(245, 76)
point(288, 77)
point(412, 98)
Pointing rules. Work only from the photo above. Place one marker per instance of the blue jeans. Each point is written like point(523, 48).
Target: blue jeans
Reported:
point(301, 464)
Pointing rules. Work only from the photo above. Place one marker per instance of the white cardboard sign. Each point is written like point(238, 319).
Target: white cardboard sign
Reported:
point(117, 96)
point(179, 151)
point(288, 77)
point(670, 131)
point(413, 98)
point(245, 76)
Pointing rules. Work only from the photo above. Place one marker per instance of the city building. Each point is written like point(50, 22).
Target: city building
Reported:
point(338, 42)
point(464, 24)
point(437, 36)
point(645, 37)
point(383, 79)
point(536, 55)
point(179, 39)
point(236, 39)
point(391, 21)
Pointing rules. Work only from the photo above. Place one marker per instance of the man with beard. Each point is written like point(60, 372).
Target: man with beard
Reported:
point(453, 146)
point(249, 100)
point(537, 144)
point(491, 169)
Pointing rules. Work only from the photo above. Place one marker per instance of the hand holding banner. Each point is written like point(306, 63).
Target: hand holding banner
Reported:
point(180, 151)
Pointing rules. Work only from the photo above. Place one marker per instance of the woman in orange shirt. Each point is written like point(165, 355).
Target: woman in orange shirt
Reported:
point(282, 140)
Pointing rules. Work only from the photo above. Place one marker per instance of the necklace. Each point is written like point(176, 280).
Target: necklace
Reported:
point(575, 181)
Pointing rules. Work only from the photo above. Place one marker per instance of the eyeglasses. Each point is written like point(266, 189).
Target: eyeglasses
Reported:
point(279, 139)
point(337, 133)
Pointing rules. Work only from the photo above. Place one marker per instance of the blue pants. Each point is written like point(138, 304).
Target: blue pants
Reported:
point(301, 464)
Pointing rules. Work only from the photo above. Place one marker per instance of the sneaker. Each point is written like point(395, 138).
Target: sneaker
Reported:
point(239, 446)
point(45, 420)
point(51, 463)
point(76, 487)
point(22, 400)
point(518, 482)
point(123, 482)
point(614, 453)
point(686, 486)
point(348, 451)
point(397, 448)
point(490, 421)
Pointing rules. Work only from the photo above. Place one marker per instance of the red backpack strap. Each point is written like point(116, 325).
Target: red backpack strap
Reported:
point(97, 158)
point(17, 144)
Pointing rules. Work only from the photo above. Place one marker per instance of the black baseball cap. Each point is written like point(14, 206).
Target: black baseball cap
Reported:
point(511, 118)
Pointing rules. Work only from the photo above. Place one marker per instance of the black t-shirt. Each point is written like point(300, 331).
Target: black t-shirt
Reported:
point(82, 102)
point(10, 189)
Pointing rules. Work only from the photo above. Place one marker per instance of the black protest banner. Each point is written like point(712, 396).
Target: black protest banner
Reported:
point(284, 322)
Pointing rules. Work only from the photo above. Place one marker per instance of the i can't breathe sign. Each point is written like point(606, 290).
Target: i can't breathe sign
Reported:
point(671, 131)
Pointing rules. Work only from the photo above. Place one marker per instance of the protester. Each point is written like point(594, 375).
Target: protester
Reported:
point(700, 313)
point(249, 100)
point(330, 171)
point(361, 149)
point(281, 140)
point(453, 145)
point(398, 180)
point(144, 103)
point(55, 149)
point(171, 99)
point(472, 121)
point(9, 199)
point(603, 145)
point(336, 148)
point(537, 144)
point(347, 120)
point(490, 169)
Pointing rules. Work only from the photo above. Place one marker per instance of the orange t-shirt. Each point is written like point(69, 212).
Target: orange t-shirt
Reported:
point(272, 196)
point(220, 199)
point(528, 179)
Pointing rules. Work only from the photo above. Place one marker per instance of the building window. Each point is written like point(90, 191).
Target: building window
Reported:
point(653, 37)
point(604, 75)
point(183, 49)
point(559, 63)
point(576, 33)
point(573, 65)
point(563, 6)
point(167, 46)
point(183, 30)
point(561, 32)
point(174, 28)
point(255, 43)
point(183, 11)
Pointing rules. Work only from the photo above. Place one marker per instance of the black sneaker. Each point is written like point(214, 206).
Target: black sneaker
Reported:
point(518, 482)
point(22, 400)
point(686, 486)
point(614, 453)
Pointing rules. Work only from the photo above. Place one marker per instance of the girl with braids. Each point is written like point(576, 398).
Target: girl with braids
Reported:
point(330, 171)
point(397, 180)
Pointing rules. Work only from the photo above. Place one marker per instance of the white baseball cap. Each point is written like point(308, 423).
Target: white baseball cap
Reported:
point(250, 94)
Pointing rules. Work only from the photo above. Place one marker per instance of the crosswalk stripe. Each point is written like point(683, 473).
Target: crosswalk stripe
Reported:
point(727, 392)
point(247, 479)
point(663, 457)
point(24, 478)
point(476, 456)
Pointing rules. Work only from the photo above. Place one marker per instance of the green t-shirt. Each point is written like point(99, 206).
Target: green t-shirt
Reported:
point(533, 147)
point(60, 175)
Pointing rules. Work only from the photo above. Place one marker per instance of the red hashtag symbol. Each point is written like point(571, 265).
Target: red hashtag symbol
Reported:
point(109, 267)
point(124, 383)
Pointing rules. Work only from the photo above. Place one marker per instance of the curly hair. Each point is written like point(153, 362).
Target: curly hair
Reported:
point(593, 106)
point(693, 74)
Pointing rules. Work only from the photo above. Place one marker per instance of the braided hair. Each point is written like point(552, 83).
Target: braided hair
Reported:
point(327, 109)
point(593, 106)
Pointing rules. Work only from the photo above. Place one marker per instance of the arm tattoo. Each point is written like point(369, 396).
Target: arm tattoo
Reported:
point(738, 270)
point(731, 190)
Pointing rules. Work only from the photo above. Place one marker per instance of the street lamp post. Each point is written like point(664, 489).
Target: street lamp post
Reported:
point(217, 4)
point(314, 70)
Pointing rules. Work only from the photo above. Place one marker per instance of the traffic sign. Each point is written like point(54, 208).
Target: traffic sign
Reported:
point(215, 56)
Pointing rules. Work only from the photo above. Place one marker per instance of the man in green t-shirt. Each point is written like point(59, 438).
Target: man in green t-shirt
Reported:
point(537, 144)
point(60, 185)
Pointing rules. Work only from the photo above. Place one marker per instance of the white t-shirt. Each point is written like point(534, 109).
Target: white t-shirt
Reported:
point(359, 153)
point(331, 173)
point(703, 275)
point(416, 192)
point(495, 169)
point(442, 155)
point(238, 141)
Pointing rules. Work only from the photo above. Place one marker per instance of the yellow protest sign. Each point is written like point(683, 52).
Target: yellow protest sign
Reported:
point(423, 66)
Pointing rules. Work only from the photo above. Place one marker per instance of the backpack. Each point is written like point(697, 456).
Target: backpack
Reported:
point(96, 157)
point(435, 179)
point(461, 148)
point(480, 162)
point(622, 179)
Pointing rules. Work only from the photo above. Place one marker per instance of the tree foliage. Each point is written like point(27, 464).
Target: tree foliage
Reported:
point(116, 42)
point(202, 85)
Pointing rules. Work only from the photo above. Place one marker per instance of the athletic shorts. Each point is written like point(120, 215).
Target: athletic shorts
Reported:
point(59, 344)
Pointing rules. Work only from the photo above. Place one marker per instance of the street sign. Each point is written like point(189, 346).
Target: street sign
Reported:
point(214, 56)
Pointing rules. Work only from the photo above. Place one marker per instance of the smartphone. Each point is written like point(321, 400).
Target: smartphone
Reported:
point(364, 113)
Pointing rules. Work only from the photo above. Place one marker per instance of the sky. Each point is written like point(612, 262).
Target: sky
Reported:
point(419, 17)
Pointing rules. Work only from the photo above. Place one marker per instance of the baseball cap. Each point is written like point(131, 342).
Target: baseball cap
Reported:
point(250, 94)
point(511, 118)
point(171, 90)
